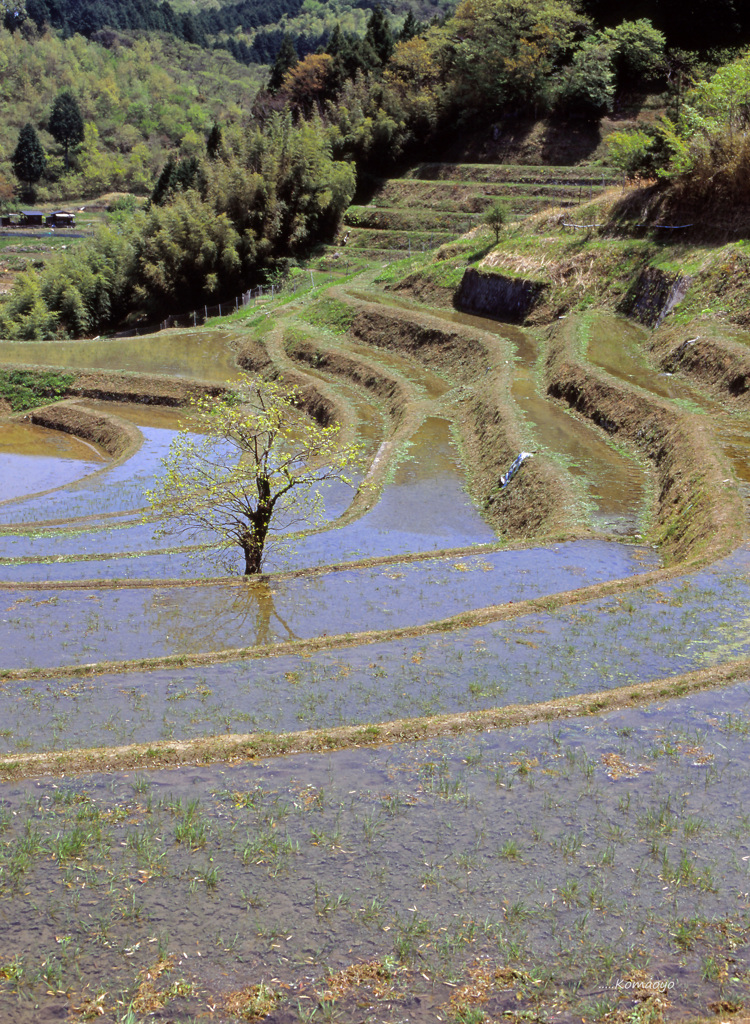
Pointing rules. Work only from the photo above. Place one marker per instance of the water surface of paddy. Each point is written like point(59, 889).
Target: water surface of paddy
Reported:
point(80, 626)
point(202, 355)
point(612, 483)
point(589, 849)
point(34, 459)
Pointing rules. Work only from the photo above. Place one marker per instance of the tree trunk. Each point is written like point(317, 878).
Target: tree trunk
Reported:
point(253, 556)
point(253, 541)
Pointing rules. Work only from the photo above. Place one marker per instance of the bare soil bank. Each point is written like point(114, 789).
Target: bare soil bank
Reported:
point(699, 350)
point(390, 390)
point(253, 357)
point(421, 289)
point(114, 435)
point(537, 502)
point(697, 505)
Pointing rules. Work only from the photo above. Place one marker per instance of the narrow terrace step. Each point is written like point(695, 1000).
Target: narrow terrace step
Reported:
point(398, 190)
point(518, 173)
point(400, 219)
point(416, 241)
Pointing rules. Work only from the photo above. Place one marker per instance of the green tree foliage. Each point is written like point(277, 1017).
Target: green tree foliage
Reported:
point(25, 316)
point(275, 191)
point(351, 54)
point(259, 467)
point(138, 101)
point(309, 83)
point(76, 293)
point(496, 216)
point(28, 157)
point(638, 52)
point(88, 17)
point(589, 85)
point(66, 123)
point(709, 141)
point(630, 152)
point(410, 28)
point(510, 53)
point(183, 254)
point(179, 176)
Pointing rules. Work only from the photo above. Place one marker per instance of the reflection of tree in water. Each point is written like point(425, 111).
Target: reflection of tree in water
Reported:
point(212, 618)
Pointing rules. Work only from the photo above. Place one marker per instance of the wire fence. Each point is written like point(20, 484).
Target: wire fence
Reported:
point(259, 295)
point(604, 224)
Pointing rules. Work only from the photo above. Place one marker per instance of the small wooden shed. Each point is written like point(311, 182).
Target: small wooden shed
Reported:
point(32, 219)
point(61, 219)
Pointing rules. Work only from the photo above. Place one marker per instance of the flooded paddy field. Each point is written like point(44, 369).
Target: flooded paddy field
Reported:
point(612, 483)
point(204, 355)
point(118, 488)
point(579, 869)
point(34, 459)
point(563, 870)
point(75, 626)
point(650, 633)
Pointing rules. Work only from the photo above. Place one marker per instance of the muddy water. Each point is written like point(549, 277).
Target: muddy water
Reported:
point(34, 459)
point(615, 834)
point(204, 355)
point(654, 633)
point(129, 535)
point(613, 483)
point(431, 383)
point(423, 507)
point(531, 659)
point(616, 346)
point(119, 488)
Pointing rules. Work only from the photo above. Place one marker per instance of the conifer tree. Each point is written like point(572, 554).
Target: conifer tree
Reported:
point(409, 29)
point(66, 123)
point(28, 157)
point(286, 59)
point(213, 142)
point(379, 34)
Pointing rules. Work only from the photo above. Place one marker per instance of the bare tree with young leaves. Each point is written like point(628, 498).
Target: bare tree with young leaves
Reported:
point(250, 463)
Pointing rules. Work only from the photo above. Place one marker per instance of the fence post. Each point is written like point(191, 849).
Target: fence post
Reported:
point(205, 313)
point(193, 318)
point(220, 313)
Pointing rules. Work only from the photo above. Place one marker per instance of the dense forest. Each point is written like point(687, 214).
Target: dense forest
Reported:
point(700, 24)
point(247, 170)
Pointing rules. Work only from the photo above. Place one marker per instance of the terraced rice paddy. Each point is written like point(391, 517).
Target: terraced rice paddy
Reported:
point(436, 202)
point(465, 752)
